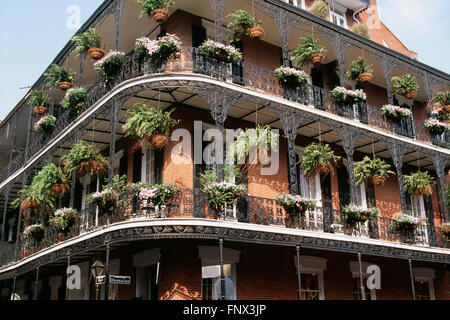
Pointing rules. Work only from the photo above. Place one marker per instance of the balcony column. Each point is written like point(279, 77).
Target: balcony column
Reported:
point(290, 126)
point(5, 210)
point(19, 220)
point(440, 162)
point(36, 284)
point(29, 128)
point(117, 11)
point(411, 276)
point(218, 7)
point(299, 274)
point(284, 28)
point(76, 137)
point(386, 67)
point(397, 151)
point(222, 277)
point(108, 250)
point(113, 122)
point(348, 142)
point(339, 51)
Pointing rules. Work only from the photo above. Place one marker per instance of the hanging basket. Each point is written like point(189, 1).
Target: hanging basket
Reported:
point(256, 32)
point(158, 141)
point(447, 109)
point(40, 110)
point(59, 188)
point(91, 167)
point(377, 180)
point(425, 190)
point(365, 77)
point(64, 85)
point(28, 204)
point(316, 58)
point(321, 168)
point(410, 94)
point(160, 15)
point(96, 53)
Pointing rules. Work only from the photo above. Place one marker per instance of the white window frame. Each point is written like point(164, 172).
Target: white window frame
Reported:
point(314, 179)
point(314, 266)
point(338, 16)
point(425, 275)
point(354, 268)
point(145, 167)
point(417, 211)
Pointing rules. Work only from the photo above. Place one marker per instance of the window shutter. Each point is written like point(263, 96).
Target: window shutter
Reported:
point(123, 166)
point(198, 35)
point(159, 164)
point(137, 166)
point(326, 192)
point(370, 196)
point(344, 187)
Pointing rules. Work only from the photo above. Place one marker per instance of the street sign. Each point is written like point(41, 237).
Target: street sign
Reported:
point(100, 280)
point(114, 279)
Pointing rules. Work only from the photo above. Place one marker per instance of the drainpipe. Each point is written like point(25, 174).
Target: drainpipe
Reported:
point(358, 12)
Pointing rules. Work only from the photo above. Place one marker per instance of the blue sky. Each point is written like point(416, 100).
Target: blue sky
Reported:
point(33, 32)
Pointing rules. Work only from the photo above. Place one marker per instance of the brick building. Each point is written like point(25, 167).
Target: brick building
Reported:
point(253, 249)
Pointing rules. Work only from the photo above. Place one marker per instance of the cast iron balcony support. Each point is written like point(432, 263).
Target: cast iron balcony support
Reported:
point(67, 275)
point(75, 139)
point(30, 123)
point(36, 284)
point(387, 67)
point(411, 275)
point(13, 291)
point(117, 11)
point(108, 249)
point(440, 162)
point(114, 119)
point(299, 274)
point(348, 142)
point(222, 275)
point(363, 289)
point(5, 210)
point(218, 7)
point(397, 151)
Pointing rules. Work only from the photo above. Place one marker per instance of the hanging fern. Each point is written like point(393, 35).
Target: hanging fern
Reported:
point(84, 158)
point(318, 158)
point(370, 169)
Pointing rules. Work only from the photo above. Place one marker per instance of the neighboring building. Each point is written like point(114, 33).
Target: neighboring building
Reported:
point(174, 252)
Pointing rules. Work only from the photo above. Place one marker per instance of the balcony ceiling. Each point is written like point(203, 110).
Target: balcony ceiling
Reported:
point(354, 5)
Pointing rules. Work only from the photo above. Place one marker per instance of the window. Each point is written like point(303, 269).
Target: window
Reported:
point(312, 269)
point(296, 3)
point(148, 169)
point(415, 205)
point(308, 187)
point(423, 283)
point(146, 264)
point(354, 268)
point(338, 18)
point(310, 287)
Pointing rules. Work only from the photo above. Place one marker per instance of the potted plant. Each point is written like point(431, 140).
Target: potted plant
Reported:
point(89, 43)
point(374, 171)
point(85, 158)
point(320, 9)
point(244, 24)
point(419, 183)
point(64, 219)
point(406, 86)
point(362, 30)
point(159, 51)
point(45, 124)
point(291, 77)
point(75, 99)
point(445, 232)
point(442, 101)
point(40, 101)
point(157, 9)
point(342, 95)
point(308, 50)
point(110, 65)
point(28, 199)
point(395, 113)
point(164, 192)
point(405, 223)
point(111, 196)
point(443, 116)
point(295, 205)
point(149, 124)
point(318, 158)
point(360, 71)
point(353, 214)
point(220, 51)
point(35, 232)
point(435, 126)
point(51, 178)
point(60, 76)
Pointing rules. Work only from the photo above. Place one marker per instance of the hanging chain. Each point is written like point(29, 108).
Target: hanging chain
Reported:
point(320, 134)
point(373, 149)
point(418, 160)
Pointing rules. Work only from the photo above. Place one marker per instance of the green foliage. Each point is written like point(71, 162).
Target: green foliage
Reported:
point(320, 9)
point(27, 194)
point(402, 85)
point(240, 21)
point(149, 5)
point(368, 168)
point(352, 214)
point(357, 67)
point(110, 65)
point(45, 124)
point(80, 158)
point(447, 192)
point(306, 47)
point(86, 41)
point(58, 74)
point(295, 205)
point(164, 192)
point(48, 175)
point(64, 219)
point(442, 98)
point(415, 182)
point(318, 155)
point(144, 121)
point(75, 99)
point(39, 98)
point(362, 30)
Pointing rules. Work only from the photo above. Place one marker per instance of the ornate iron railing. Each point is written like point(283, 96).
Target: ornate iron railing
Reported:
point(192, 203)
point(245, 74)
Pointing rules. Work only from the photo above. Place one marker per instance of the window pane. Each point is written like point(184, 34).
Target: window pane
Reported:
point(422, 290)
point(310, 287)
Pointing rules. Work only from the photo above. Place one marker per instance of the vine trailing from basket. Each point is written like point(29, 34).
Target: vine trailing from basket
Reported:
point(60, 76)
point(75, 99)
point(435, 126)
point(360, 71)
point(89, 42)
point(395, 113)
point(406, 86)
point(419, 183)
point(110, 65)
point(221, 193)
point(64, 219)
point(295, 205)
point(318, 158)
point(46, 124)
point(291, 77)
point(342, 95)
point(307, 51)
point(352, 214)
point(84, 158)
point(159, 51)
point(149, 124)
point(243, 24)
point(405, 223)
point(220, 51)
point(374, 171)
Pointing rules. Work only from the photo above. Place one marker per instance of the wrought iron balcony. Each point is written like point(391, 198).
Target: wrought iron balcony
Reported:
point(191, 203)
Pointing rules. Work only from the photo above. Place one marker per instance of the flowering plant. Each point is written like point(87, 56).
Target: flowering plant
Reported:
point(64, 219)
point(341, 94)
point(220, 51)
point(353, 214)
point(291, 76)
point(394, 113)
point(404, 222)
point(109, 66)
point(45, 124)
point(74, 99)
point(159, 50)
point(435, 126)
point(158, 194)
point(445, 230)
point(35, 231)
point(295, 205)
